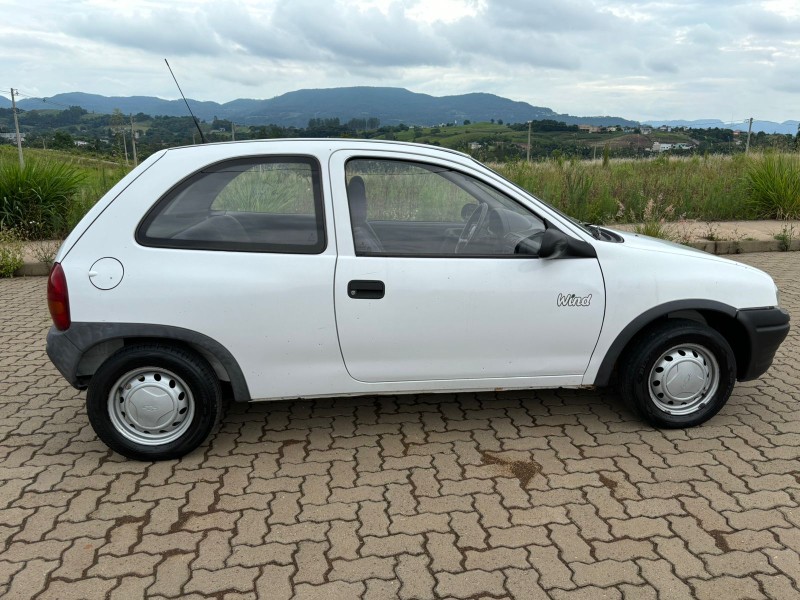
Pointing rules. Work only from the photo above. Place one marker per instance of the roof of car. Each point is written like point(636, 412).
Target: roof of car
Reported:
point(339, 142)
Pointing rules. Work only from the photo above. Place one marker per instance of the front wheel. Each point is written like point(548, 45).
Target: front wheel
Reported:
point(678, 374)
point(153, 402)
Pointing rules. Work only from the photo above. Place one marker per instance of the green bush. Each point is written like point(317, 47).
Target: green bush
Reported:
point(774, 186)
point(11, 257)
point(36, 199)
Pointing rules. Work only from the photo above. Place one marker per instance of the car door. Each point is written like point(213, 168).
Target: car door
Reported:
point(429, 284)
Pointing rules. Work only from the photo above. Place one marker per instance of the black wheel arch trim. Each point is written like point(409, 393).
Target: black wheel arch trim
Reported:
point(643, 320)
point(66, 348)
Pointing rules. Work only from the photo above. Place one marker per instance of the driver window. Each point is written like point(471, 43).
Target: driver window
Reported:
point(401, 208)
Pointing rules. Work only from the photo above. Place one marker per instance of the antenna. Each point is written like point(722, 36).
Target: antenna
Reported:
point(196, 124)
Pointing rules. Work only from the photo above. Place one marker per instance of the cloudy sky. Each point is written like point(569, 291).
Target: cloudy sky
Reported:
point(640, 59)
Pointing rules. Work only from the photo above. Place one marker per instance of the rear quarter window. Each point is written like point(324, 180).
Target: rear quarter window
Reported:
point(257, 204)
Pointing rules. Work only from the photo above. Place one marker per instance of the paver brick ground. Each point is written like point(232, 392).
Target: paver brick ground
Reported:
point(560, 494)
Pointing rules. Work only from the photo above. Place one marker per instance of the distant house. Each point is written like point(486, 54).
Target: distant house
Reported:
point(81, 143)
point(589, 128)
point(665, 128)
point(475, 145)
point(12, 137)
point(646, 130)
point(664, 146)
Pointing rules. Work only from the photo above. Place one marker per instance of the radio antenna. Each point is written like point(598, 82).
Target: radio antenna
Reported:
point(196, 124)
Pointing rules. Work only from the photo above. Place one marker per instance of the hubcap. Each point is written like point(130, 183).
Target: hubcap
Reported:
point(151, 406)
point(684, 379)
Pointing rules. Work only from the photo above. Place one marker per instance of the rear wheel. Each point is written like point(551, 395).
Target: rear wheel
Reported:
point(153, 402)
point(678, 374)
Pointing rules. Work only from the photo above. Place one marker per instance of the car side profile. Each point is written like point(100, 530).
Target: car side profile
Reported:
point(284, 269)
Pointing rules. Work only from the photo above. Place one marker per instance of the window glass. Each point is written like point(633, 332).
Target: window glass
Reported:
point(416, 209)
point(255, 204)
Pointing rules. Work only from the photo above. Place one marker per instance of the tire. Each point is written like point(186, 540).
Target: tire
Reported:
point(153, 402)
point(678, 374)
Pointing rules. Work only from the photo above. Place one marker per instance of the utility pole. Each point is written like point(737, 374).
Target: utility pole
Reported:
point(529, 141)
point(749, 129)
point(233, 131)
point(125, 145)
point(16, 125)
point(133, 142)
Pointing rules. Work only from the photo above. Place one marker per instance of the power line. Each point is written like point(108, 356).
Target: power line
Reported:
point(41, 98)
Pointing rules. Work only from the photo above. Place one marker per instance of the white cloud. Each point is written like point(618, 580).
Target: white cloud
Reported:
point(632, 58)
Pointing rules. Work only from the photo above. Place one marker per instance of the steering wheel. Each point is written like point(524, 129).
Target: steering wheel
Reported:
point(471, 228)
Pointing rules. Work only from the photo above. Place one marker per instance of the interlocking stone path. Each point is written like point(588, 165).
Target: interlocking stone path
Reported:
point(559, 494)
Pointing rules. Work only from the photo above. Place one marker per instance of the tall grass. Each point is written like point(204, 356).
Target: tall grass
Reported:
point(277, 188)
point(54, 190)
point(35, 199)
point(774, 185)
point(711, 188)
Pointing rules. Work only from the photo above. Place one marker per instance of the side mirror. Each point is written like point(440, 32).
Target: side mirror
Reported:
point(554, 244)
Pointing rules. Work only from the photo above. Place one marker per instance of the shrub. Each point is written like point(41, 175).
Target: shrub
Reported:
point(11, 257)
point(35, 200)
point(774, 186)
point(654, 218)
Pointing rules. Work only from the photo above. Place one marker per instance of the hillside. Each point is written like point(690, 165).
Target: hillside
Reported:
point(391, 105)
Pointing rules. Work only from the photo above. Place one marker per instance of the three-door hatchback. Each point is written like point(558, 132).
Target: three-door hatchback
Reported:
point(316, 268)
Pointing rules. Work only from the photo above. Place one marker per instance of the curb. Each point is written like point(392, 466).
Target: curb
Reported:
point(720, 247)
point(33, 269)
point(743, 246)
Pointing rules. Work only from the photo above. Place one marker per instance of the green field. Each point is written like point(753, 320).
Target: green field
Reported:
point(710, 188)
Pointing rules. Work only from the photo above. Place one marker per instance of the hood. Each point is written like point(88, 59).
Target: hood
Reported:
point(639, 241)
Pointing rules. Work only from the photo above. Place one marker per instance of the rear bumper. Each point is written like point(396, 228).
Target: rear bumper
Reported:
point(64, 355)
point(766, 329)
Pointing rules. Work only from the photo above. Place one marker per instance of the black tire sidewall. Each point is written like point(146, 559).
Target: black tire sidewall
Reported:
point(195, 373)
point(642, 358)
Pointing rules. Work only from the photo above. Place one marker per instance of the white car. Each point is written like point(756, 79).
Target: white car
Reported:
point(283, 269)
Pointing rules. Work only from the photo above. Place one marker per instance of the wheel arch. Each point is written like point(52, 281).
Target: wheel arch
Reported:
point(717, 315)
point(95, 342)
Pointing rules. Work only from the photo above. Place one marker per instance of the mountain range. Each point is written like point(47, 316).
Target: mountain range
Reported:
point(391, 105)
point(789, 127)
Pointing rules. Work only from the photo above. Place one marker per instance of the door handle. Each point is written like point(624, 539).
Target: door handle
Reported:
point(366, 289)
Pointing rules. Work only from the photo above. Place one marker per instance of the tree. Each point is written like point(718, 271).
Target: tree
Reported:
point(467, 122)
point(62, 141)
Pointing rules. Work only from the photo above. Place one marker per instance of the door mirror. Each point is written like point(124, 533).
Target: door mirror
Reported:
point(554, 244)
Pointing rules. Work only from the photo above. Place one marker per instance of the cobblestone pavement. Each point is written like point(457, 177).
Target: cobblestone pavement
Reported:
point(560, 494)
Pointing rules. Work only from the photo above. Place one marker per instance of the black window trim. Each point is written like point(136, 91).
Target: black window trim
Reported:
point(222, 246)
point(448, 167)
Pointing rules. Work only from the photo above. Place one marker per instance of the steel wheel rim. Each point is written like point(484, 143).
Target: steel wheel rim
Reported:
point(151, 406)
point(684, 379)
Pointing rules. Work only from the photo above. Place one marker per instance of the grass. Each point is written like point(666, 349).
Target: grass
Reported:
point(53, 192)
point(650, 192)
point(711, 188)
point(11, 252)
point(277, 188)
point(773, 181)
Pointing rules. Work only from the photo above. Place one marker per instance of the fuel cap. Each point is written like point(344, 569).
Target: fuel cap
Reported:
point(106, 273)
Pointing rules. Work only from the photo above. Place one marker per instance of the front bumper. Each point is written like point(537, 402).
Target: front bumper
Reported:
point(766, 329)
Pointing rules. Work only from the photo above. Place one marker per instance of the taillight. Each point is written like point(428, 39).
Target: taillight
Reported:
point(58, 298)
